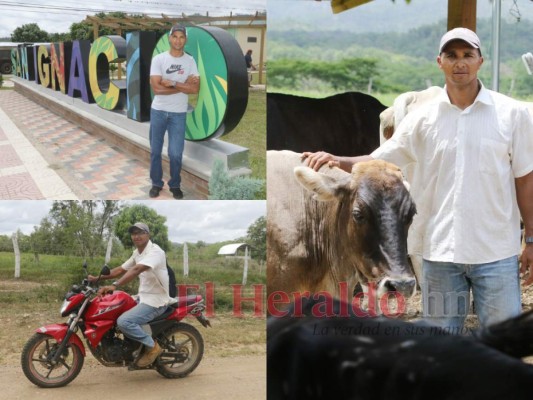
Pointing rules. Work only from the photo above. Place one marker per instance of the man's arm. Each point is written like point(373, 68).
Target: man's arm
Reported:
point(316, 160)
point(524, 195)
point(128, 276)
point(115, 272)
point(165, 87)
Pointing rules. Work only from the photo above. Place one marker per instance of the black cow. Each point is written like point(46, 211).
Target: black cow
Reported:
point(343, 124)
point(379, 358)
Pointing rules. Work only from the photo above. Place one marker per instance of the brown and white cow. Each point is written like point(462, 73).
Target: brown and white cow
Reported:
point(330, 226)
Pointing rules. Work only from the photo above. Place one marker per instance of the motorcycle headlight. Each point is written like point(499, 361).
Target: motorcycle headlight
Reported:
point(64, 308)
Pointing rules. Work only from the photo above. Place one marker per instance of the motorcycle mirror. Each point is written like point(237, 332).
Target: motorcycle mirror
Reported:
point(105, 270)
point(84, 266)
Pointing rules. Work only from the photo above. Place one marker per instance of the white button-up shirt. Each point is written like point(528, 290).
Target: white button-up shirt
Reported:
point(464, 165)
point(153, 286)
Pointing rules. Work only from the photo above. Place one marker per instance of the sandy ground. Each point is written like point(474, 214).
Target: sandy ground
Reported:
point(235, 378)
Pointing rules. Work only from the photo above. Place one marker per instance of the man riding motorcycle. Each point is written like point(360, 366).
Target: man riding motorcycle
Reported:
point(148, 261)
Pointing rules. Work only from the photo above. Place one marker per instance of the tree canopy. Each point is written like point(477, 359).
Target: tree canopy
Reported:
point(141, 213)
point(29, 33)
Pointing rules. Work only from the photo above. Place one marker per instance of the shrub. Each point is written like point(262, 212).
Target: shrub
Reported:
point(224, 187)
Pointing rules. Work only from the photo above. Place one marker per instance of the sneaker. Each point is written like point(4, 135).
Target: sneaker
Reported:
point(154, 191)
point(177, 193)
point(149, 356)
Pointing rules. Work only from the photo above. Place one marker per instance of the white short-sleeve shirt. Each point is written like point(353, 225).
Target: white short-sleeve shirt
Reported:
point(176, 69)
point(465, 163)
point(153, 286)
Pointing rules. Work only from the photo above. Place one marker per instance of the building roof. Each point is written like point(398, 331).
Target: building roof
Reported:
point(231, 249)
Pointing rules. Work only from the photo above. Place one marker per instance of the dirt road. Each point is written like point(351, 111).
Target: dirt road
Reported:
point(232, 378)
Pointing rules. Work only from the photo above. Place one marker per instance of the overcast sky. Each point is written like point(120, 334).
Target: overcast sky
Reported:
point(187, 221)
point(57, 15)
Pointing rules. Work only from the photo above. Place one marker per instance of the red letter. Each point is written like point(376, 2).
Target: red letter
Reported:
point(257, 300)
point(271, 303)
point(384, 304)
point(298, 304)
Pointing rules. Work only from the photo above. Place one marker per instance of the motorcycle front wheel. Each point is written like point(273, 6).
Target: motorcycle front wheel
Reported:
point(183, 349)
point(37, 363)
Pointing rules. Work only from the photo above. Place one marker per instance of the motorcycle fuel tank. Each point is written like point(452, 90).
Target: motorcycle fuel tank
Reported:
point(109, 307)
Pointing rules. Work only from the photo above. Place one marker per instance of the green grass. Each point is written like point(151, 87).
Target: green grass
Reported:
point(52, 276)
point(251, 133)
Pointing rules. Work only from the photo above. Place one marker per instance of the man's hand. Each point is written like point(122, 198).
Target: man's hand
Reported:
point(92, 278)
point(526, 264)
point(193, 79)
point(105, 290)
point(316, 160)
point(167, 83)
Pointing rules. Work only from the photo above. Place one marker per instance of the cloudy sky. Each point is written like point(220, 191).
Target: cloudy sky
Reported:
point(57, 15)
point(187, 221)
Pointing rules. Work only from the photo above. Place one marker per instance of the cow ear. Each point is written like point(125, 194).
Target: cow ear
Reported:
point(324, 187)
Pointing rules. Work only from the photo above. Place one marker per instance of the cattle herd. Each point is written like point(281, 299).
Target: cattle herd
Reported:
point(330, 232)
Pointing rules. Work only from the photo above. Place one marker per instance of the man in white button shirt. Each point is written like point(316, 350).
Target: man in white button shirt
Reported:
point(149, 263)
point(471, 151)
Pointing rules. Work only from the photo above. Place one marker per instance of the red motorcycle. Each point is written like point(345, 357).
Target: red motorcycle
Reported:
point(54, 356)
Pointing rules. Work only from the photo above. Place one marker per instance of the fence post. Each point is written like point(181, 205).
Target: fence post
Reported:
point(17, 255)
point(185, 260)
point(109, 249)
point(245, 272)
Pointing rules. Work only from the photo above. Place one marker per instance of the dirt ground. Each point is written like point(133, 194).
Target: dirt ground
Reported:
point(233, 366)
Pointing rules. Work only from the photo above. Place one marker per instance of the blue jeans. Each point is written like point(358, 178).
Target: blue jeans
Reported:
point(446, 292)
point(174, 123)
point(130, 322)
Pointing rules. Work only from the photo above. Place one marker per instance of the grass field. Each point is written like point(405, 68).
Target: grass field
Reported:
point(251, 133)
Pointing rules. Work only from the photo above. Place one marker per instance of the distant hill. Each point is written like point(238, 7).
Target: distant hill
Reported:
point(419, 42)
point(380, 15)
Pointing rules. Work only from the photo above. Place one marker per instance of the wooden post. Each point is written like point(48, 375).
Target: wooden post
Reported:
point(17, 255)
point(262, 56)
point(462, 13)
point(185, 260)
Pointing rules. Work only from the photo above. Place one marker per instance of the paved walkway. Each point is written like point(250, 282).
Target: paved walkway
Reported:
point(43, 156)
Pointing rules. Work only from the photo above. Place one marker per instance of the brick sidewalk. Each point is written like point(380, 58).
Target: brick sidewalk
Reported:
point(43, 156)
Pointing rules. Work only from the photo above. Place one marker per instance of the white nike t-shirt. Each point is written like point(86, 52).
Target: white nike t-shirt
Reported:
point(176, 69)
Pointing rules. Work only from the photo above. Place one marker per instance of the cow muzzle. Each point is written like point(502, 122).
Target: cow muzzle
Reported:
point(404, 286)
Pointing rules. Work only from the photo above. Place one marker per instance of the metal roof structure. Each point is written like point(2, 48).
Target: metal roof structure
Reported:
point(231, 249)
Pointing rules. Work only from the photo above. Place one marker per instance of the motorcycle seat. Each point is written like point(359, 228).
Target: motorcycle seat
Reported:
point(182, 301)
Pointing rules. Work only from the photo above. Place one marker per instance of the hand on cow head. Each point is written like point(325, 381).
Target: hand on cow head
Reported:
point(324, 187)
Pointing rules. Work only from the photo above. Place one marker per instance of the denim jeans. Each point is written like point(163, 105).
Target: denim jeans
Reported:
point(174, 123)
point(130, 322)
point(446, 292)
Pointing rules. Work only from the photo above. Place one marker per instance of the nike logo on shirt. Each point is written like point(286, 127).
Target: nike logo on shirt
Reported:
point(175, 68)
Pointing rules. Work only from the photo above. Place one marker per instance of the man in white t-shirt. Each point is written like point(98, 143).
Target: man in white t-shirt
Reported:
point(173, 76)
point(471, 152)
point(149, 263)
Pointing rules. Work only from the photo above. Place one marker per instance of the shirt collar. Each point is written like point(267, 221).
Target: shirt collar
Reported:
point(482, 97)
point(148, 245)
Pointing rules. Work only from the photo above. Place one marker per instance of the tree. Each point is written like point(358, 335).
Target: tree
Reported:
point(73, 227)
point(29, 33)
point(257, 237)
point(141, 213)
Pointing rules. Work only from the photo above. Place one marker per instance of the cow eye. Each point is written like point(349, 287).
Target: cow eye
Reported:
point(358, 215)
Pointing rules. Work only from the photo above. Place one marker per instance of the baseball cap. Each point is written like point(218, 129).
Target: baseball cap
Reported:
point(139, 225)
point(178, 28)
point(464, 34)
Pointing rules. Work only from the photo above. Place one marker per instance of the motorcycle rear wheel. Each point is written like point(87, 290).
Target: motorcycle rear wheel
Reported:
point(36, 365)
point(183, 349)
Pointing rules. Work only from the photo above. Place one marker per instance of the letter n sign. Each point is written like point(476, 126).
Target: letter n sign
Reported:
point(223, 94)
